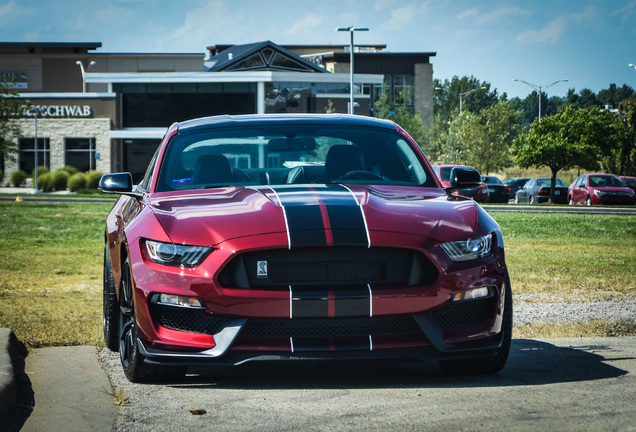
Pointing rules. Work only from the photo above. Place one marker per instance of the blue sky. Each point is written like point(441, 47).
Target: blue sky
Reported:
point(588, 42)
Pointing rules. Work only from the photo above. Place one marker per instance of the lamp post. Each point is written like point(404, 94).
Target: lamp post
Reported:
point(81, 65)
point(351, 30)
point(461, 95)
point(37, 110)
point(540, 89)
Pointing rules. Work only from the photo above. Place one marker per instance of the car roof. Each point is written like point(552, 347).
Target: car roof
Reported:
point(290, 119)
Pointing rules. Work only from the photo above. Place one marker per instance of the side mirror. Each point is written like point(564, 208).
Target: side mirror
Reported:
point(463, 178)
point(121, 183)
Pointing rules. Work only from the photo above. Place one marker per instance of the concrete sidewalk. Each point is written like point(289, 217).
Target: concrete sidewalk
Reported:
point(67, 387)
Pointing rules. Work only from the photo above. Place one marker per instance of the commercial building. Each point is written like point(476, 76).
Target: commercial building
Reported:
point(109, 111)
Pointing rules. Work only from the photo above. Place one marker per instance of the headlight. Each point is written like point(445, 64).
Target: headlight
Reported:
point(176, 255)
point(471, 249)
point(599, 192)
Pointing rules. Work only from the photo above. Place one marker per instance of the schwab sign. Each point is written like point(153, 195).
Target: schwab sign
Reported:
point(62, 111)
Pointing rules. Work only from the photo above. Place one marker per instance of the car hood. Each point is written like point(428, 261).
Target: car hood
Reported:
point(615, 189)
point(351, 215)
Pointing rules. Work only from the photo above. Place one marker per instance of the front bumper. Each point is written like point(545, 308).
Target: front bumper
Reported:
point(222, 355)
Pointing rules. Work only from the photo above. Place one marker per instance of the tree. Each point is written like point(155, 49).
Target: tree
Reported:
point(500, 128)
point(398, 110)
point(586, 98)
point(621, 159)
point(10, 109)
point(613, 96)
point(447, 96)
point(464, 137)
point(529, 106)
point(568, 139)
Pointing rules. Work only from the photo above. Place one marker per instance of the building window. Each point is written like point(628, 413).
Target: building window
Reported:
point(137, 156)
point(26, 153)
point(404, 83)
point(80, 153)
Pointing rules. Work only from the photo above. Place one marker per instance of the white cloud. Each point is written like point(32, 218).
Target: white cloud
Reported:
point(627, 11)
point(549, 34)
point(11, 11)
point(501, 15)
point(468, 13)
point(310, 21)
point(400, 18)
point(201, 24)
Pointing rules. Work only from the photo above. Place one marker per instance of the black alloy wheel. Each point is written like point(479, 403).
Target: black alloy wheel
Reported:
point(132, 360)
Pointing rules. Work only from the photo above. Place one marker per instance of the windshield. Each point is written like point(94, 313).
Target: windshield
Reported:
point(273, 155)
point(600, 181)
point(546, 182)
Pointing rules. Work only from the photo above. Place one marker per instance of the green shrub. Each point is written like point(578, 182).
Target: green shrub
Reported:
point(18, 177)
point(70, 170)
point(41, 170)
point(92, 179)
point(45, 182)
point(60, 179)
point(77, 182)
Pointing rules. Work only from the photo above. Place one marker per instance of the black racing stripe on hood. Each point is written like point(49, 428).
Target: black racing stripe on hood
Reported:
point(303, 207)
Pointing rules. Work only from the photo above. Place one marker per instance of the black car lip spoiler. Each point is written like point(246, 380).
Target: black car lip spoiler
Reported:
point(439, 350)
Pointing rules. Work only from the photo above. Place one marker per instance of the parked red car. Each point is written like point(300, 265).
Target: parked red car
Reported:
point(630, 182)
point(299, 237)
point(594, 189)
point(479, 194)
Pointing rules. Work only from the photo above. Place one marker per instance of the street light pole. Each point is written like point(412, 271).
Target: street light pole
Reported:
point(351, 29)
point(37, 110)
point(81, 65)
point(540, 89)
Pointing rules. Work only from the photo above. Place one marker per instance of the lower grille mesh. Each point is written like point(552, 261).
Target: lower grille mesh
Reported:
point(187, 320)
point(323, 328)
point(466, 313)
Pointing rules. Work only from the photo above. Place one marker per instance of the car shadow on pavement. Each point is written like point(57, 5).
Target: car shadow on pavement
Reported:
point(530, 363)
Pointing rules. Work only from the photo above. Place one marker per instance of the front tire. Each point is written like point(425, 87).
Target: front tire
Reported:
point(132, 360)
point(491, 364)
point(110, 306)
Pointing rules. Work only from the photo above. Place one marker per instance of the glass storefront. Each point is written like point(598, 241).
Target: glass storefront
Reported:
point(80, 153)
point(290, 97)
point(137, 155)
point(160, 105)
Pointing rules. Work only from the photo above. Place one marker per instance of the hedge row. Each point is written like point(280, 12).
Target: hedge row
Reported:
point(62, 179)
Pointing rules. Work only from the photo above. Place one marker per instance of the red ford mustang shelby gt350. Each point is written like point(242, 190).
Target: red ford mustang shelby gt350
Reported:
point(283, 237)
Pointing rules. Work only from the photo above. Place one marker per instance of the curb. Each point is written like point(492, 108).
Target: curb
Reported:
point(12, 355)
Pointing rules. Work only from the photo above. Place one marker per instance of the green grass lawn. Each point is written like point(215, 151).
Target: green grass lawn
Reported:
point(51, 265)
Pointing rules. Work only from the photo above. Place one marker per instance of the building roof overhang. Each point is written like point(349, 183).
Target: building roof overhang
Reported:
point(216, 77)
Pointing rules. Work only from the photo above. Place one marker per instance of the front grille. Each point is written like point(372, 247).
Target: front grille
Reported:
point(466, 313)
point(187, 320)
point(326, 328)
point(331, 266)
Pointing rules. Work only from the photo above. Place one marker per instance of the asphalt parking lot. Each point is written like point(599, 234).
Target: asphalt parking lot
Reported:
point(585, 384)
